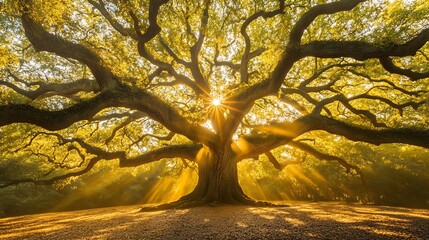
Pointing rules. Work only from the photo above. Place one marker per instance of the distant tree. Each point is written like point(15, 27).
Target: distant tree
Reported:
point(209, 82)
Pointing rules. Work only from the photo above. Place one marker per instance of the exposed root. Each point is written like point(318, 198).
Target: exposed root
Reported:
point(244, 200)
point(188, 203)
point(180, 204)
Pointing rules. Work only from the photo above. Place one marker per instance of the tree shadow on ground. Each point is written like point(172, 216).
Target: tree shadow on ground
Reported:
point(300, 221)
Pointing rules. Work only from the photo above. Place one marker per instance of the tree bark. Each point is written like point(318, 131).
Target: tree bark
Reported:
point(217, 179)
point(217, 182)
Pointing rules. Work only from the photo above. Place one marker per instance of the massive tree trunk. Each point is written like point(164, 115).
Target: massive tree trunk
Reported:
point(217, 178)
point(217, 182)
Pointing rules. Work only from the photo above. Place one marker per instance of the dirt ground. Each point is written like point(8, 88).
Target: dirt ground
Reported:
point(300, 221)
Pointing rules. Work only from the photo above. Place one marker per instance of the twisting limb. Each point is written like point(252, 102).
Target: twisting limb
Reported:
point(362, 50)
point(323, 156)
point(247, 55)
point(117, 128)
point(244, 100)
point(319, 72)
point(370, 116)
point(314, 12)
point(411, 136)
point(124, 97)
point(200, 85)
point(274, 161)
point(176, 151)
point(52, 89)
point(185, 151)
point(388, 64)
point(305, 95)
point(167, 137)
point(391, 84)
point(45, 41)
point(146, 37)
point(56, 120)
point(345, 101)
point(151, 33)
point(270, 137)
point(100, 6)
point(399, 107)
point(195, 50)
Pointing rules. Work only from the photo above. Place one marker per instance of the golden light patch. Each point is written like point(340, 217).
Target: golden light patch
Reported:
point(216, 102)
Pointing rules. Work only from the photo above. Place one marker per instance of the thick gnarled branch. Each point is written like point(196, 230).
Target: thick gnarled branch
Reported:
point(388, 64)
point(174, 151)
point(45, 41)
point(124, 97)
point(277, 135)
point(52, 89)
point(363, 50)
point(323, 156)
point(390, 83)
point(245, 99)
point(247, 55)
point(195, 51)
point(314, 12)
point(56, 120)
point(100, 6)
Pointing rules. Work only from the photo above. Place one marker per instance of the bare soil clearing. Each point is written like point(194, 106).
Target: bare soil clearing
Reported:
point(300, 221)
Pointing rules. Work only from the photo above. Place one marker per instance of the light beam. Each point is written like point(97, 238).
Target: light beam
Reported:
point(216, 102)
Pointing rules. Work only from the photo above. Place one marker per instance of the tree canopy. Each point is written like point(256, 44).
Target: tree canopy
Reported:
point(206, 84)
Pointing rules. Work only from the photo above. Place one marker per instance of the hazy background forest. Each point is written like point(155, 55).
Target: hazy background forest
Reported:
point(393, 174)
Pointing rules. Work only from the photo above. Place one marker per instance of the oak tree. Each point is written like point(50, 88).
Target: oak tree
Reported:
point(209, 83)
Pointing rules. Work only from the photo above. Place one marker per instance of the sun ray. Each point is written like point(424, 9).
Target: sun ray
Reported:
point(216, 102)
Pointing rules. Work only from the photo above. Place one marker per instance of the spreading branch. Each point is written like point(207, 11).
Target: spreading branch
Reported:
point(274, 161)
point(123, 97)
point(280, 134)
point(390, 83)
point(152, 31)
point(42, 40)
point(316, 11)
point(195, 50)
point(244, 100)
point(56, 120)
point(363, 50)
point(100, 6)
point(388, 64)
point(52, 89)
point(174, 151)
point(303, 85)
point(323, 156)
point(247, 55)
